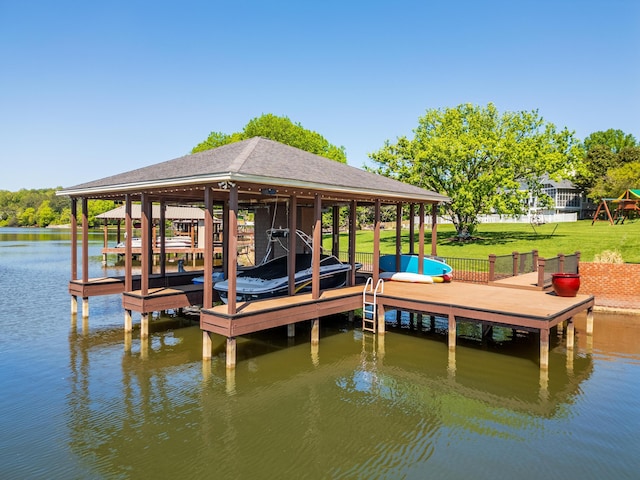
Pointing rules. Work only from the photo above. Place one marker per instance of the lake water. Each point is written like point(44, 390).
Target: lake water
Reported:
point(80, 399)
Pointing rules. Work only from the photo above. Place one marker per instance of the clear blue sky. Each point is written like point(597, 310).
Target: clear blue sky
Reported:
point(90, 89)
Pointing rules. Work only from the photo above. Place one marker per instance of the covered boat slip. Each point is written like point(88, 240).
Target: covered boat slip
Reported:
point(269, 177)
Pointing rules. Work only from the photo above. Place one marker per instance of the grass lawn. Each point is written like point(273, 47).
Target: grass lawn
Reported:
point(505, 238)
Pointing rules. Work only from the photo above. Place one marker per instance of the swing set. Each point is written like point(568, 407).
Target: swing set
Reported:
point(626, 204)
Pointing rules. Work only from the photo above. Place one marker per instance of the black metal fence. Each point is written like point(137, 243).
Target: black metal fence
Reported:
point(496, 267)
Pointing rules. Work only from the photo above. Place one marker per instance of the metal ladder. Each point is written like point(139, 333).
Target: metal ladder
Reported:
point(369, 309)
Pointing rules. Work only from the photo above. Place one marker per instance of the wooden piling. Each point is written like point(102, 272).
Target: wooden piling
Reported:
point(206, 345)
point(544, 348)
point(570, 334)
point(144, 325)
point(452, 332)
point(231, 352)
point(315, 331)
point(128, 324)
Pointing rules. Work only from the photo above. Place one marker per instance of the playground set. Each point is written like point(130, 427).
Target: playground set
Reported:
point(626, 205)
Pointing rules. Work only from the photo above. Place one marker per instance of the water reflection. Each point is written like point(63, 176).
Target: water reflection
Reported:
point(352, 406)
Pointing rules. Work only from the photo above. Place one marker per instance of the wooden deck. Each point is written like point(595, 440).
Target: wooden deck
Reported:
point(522, 308)
point(163, 298)
point(275, 312)
point(527, 281)
point(115, 285)
point(518, 308)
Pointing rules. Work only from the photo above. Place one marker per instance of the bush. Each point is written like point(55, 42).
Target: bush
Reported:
point(608, 256)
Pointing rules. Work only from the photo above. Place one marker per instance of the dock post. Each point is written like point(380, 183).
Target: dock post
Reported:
point(590, 321)
point(451, 363)
point(231, 352)
point(452, 331)
point(560, 328)
point(570, 334)
point(144, 325)
point(381, 318)
point(544, 348)
point(74, 305)
point(127, 342)
point(127, 321)
point(206, 345)
point(291, 330)
point(315, 331)
point(85, 307)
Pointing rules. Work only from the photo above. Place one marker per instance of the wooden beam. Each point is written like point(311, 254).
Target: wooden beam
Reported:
point(85, 240)
point(376, 242)
point(145, 256)
point(207, 297)
point(421, 240)
point(352, 242)
point(317, 246)
point(74, 239)
point(128, 264)
point(412, 228)
point(335, 230)
point(163, 234)
point(292, 242)
point(434, 229)
point(398, 234)
point(232, 258)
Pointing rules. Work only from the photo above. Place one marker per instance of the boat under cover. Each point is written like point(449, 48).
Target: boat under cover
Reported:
point(271, 279)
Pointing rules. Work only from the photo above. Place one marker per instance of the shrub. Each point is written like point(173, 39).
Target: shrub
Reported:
point(608, 256)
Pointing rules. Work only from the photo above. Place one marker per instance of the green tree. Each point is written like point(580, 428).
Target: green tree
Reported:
point(598, 160)
point(615, 140)
point(280, 129)
point(96, 207)
point(617, 181)
point(27, 218)
point(481, 159)
point(45, 214)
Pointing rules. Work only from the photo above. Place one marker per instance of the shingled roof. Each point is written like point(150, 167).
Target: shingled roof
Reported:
point(256, 161)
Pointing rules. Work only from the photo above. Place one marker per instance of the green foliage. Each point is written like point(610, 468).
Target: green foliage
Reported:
point(279, 129)
point(598, 160)
point(481, 159)
point(607, 173)
point(41, 208)
point(617, 180)
point(614, 140)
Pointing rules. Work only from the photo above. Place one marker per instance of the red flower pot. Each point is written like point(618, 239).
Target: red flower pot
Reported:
point(565, 284)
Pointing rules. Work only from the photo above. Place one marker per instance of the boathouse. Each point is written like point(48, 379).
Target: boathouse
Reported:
point(267, 176)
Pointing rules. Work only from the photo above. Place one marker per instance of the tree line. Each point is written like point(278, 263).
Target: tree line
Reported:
point(42, 208)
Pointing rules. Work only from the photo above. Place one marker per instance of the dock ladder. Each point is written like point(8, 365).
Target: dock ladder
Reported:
point(369, 309)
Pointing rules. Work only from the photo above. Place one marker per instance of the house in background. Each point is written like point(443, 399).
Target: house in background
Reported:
point(567, 199)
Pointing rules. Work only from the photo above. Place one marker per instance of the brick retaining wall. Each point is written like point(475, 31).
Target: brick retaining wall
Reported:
point(613, 285)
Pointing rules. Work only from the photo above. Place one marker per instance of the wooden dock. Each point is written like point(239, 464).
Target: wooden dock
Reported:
point(98, 286)
point(525, 309)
